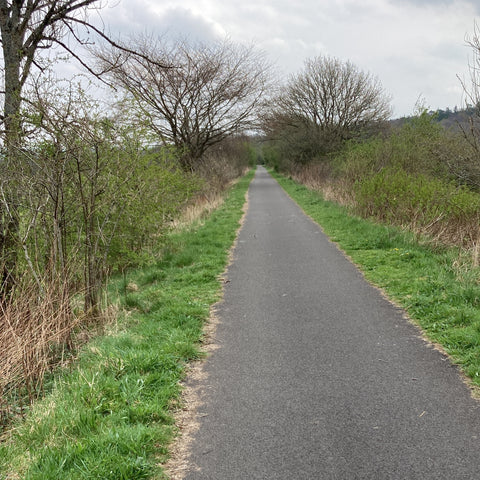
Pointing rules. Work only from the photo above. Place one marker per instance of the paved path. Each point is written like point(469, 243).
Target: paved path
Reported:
point(317, 375)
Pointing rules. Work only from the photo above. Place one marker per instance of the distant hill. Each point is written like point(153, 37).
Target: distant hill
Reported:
point(450, 119)
point(453, 118)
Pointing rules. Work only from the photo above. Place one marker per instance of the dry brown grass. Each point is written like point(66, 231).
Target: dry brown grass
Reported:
point(318, 177)
point(35, 335)
point(219, 176)
point(454, 232)
point(199, 208)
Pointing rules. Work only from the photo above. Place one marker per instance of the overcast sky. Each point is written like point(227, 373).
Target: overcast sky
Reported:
point(416, 48)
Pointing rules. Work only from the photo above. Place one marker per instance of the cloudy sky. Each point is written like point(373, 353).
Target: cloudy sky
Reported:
point(416, 48)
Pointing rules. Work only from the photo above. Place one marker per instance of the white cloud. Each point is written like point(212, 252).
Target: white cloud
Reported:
point(131, 16)
point(415, 47)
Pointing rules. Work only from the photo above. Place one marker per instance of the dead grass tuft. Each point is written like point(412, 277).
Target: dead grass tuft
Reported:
point(38, 332)
point(202, 206)
point(318, 177)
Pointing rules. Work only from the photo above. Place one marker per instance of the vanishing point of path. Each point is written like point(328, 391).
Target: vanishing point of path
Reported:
point(317, 376)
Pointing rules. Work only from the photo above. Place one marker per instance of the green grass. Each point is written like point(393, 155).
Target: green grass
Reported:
point(437, 286)
point(110, 415)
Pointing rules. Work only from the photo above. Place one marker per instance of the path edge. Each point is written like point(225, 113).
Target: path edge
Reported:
point(192, 397)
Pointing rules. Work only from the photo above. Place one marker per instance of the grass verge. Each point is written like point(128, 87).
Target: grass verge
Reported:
point(110, 415)
point(437, 286)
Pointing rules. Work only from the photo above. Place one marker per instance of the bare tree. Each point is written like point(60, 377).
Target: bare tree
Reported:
point(28, 27)
point(471, 89)
point(210, 92)
point(327, 102)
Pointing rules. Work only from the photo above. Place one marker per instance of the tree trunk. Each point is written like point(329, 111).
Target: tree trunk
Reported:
point(9, 218)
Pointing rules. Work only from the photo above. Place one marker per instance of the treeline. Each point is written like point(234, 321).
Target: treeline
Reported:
point(453, 119)
point(89, 187)
point(330, 130)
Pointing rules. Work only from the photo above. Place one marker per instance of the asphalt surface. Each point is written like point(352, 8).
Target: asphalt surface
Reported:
point(317, 375)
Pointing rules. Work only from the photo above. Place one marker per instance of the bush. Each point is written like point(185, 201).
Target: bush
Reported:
point(424, 204)
point(420, 145)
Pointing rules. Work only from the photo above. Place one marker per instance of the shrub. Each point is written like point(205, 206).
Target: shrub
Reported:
point(428, 205)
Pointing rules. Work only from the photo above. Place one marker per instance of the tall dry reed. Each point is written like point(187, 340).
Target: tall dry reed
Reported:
point(35, 335)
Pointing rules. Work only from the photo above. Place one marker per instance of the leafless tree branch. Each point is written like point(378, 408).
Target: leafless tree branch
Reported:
point(210, 92)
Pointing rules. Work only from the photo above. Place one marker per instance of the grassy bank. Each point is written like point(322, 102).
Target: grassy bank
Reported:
point(438, 287)
point(110, 415)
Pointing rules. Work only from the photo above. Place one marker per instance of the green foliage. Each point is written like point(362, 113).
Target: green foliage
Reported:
point(110, 416)
point(421, 145)
point(94, 199)
point(160, 189)
point(274, 158)
point(254, 154)
point(410, 178)
point(359, 159)
point(397, 197)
